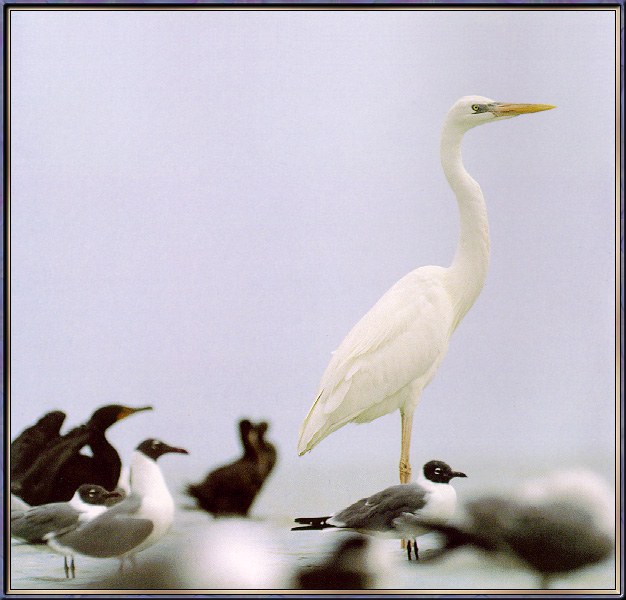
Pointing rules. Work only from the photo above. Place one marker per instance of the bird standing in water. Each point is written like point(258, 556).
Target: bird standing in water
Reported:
point(394, 351)
point(430, 499)
point(34, 525)
point(134, 524)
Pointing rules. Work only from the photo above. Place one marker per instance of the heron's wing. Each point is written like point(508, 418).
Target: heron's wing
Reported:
point(379, 511)
point(403, 338)
point(32, 525)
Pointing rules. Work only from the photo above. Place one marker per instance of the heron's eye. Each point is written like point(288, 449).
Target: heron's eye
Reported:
point(475, 107)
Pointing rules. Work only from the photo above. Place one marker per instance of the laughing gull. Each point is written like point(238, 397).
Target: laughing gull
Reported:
point(58, 470)
point(231, 489)
point(430, 498)
point(554, 525)
point(137, 522)
point(34, 525)
point(27, 445)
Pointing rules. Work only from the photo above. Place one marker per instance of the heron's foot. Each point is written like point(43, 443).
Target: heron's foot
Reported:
point(405, 471)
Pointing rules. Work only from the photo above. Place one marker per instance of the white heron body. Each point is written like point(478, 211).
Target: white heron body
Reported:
point(394, 351)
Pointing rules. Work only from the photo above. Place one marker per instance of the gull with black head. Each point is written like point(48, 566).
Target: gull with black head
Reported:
point(136, 523)
point(34, 525)
point(430, 498)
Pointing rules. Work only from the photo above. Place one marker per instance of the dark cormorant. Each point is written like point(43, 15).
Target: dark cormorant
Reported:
point(231, 489)
point(25, 448)
point(61, 468)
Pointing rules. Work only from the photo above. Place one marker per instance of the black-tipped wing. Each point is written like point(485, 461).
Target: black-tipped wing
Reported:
point(113, 533)
point(312, 523)
point(377, 512)
point(32, 525)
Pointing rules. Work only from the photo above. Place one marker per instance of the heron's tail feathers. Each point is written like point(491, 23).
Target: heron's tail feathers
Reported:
point(318, 424)
point(310, 523)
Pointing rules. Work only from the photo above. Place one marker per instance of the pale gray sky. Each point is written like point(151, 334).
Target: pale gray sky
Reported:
point(203, 203)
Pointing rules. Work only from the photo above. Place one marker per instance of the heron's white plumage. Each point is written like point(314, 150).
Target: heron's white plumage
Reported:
point(400, 342)
point(394, 351)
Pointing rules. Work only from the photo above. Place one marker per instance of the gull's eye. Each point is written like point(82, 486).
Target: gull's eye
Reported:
point(437, 471)
point(475, 107)
point(156, 444)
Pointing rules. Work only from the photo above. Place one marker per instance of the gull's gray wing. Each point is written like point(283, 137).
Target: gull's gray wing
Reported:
point(378, 511)
point(112, 533)
point(33, 524)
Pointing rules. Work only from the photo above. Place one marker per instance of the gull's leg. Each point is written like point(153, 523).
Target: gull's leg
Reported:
point(67, 571)
point(72, 569)
point(415, 549)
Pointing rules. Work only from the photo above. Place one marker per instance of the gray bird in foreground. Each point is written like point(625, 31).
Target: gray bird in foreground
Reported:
point(347, 567)
point(140, 520)
point(555, 525)
point(34, 525)
point(430, 498)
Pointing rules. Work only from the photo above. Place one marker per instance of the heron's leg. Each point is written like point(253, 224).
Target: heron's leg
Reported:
point(405, 466)
point(407, 426)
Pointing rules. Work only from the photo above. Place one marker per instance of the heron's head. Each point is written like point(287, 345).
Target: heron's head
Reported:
point(470, 111)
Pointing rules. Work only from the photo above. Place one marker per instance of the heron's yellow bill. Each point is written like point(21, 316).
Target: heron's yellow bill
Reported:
point(510, 110)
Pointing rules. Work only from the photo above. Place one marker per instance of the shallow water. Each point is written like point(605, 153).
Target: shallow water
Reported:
point(263, 553)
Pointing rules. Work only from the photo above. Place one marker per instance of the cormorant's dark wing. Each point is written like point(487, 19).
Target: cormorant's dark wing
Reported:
point(27, 445)
point(36, 485)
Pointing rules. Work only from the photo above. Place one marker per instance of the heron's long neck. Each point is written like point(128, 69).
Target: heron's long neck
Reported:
point(468, 270)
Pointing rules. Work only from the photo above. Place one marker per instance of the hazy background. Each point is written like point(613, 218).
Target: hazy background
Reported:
point(203, 203)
